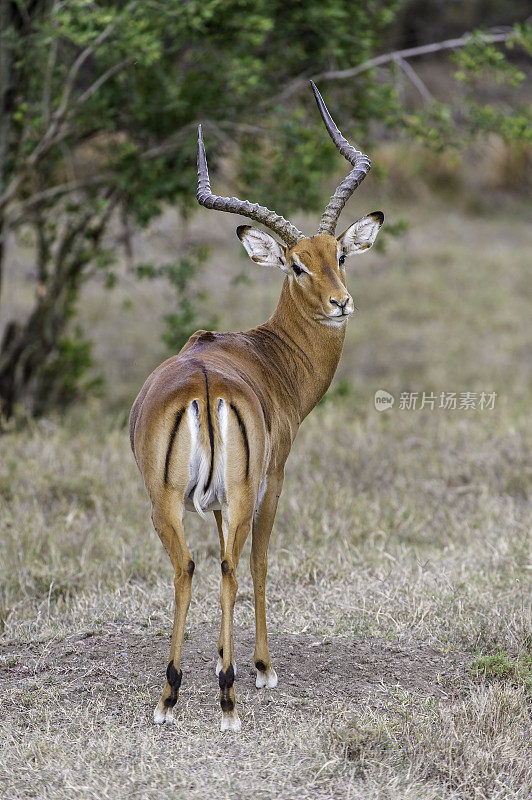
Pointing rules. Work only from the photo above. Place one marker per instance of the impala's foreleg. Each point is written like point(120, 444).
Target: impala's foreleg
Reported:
point(170, 529)
point(262, 527)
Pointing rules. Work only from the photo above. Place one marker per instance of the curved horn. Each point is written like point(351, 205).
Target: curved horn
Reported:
point(361, 167)
point(279, 225)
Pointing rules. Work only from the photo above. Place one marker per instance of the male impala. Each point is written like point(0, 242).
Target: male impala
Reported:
point(213, 426)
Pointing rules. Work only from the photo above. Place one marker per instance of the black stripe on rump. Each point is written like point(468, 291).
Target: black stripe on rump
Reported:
point(178, 418)
point(211, 429)
point(244, 433)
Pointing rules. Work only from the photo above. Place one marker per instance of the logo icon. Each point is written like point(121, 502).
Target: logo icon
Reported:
point(383, 400)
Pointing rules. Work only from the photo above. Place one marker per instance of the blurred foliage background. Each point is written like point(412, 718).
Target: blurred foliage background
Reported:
point(99, 107)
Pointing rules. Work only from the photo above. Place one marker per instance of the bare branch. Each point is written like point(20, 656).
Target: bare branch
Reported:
point(170, 144)
point(387, 58)
point(243, 127)
point(414, 78)
point(73, 74)
point(62, 188)
point(19, 212)
point(103, 79)
point(413, 52)
point(72, 240)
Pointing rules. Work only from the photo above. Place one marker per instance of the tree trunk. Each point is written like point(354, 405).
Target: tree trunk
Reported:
point(25, 348)
point(6, 110)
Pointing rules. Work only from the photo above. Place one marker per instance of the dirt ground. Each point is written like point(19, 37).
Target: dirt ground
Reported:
point(312, 672)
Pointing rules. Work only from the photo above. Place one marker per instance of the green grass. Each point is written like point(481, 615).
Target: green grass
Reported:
point(504, 667)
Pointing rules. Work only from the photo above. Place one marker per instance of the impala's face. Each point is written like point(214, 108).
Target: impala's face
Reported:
point(317, 279)
point(315, 266)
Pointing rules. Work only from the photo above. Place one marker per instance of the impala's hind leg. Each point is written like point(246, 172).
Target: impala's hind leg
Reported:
point(262, 526)
point(237, 534)
point(172, 537)
point(219, 662)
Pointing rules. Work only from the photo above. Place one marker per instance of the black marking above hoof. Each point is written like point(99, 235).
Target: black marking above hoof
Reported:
point(226, 703)
point(191, 567)
point(261, 666)
point(226, 679)
point(225, 567)
point(173, 676)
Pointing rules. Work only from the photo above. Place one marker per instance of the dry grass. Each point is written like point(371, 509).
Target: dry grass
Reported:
point(406, 531)
point(479, 746)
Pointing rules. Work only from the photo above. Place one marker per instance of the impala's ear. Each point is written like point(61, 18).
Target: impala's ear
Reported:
point(262, 248)
point(361, 234)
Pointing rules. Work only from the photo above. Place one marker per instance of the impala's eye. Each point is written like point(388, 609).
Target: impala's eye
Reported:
point(341, 259)
point(297, 270)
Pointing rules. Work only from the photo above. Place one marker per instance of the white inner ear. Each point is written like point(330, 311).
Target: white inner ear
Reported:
point(360, 236)
point(263, 249)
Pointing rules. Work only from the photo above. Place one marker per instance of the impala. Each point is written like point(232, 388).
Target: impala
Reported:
point(213, 426)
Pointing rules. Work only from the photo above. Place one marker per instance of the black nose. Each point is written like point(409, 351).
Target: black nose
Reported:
point(337, 302)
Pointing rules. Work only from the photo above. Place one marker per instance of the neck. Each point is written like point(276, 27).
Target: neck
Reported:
point(313, 346)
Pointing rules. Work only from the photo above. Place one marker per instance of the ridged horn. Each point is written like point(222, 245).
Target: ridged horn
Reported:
point(279, 225)
point(360, 162)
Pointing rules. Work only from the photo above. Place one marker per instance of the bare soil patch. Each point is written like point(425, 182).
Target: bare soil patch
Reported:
point(313, 672)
